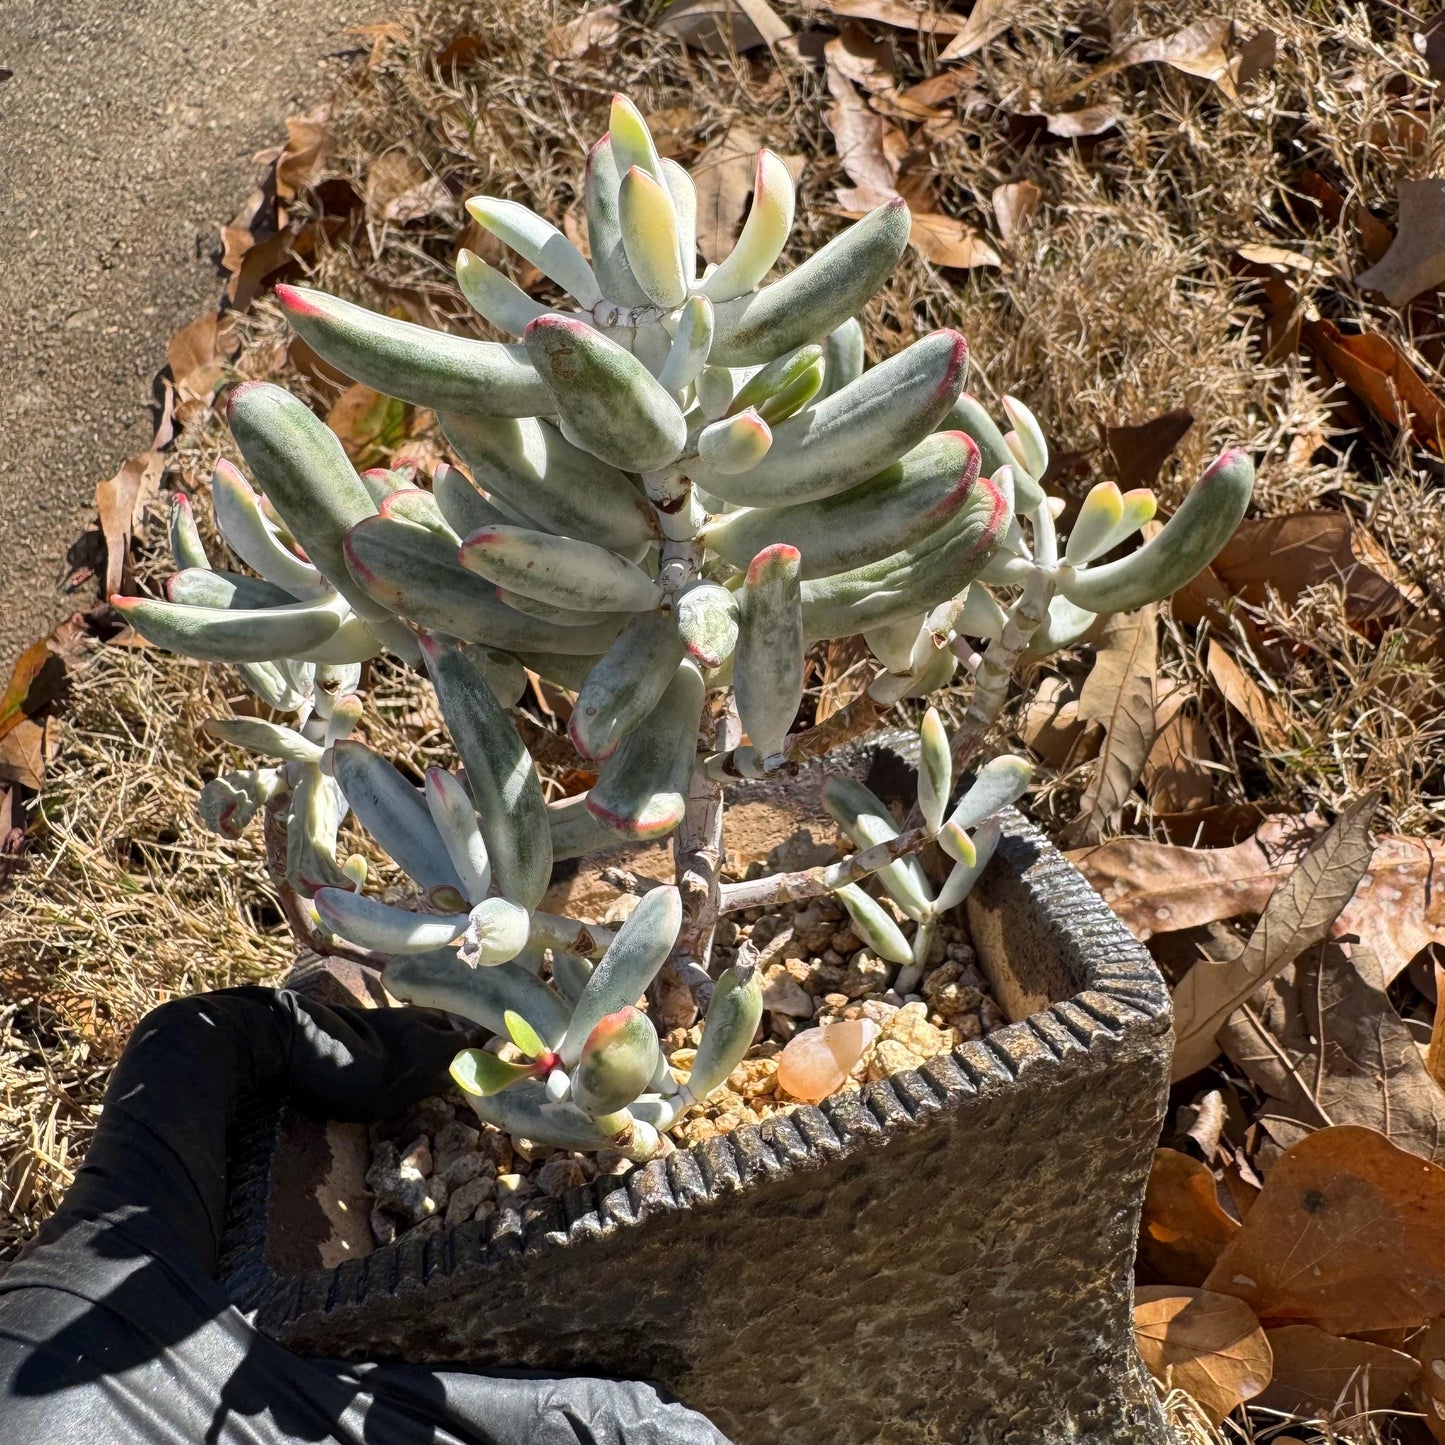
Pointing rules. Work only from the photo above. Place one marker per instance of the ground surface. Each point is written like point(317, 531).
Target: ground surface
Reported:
point(130, 132)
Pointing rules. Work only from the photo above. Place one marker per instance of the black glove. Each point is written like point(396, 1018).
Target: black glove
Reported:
point(113, 1329)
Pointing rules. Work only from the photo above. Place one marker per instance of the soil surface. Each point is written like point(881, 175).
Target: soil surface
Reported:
point(129, 136)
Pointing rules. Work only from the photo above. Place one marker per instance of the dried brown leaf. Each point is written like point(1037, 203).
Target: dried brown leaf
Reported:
point(717, 26)
point(1297, 917)
point(1209, 1345)
point(1198, 49)
point(120, 501)
point(1324, 1044)
point(1118, 695)
point(399, 190)
point(1399, 907)
point(1248, 699)
point(303, 158)
point(924, 18)
point(371, 426)
point(1348, 1234)
point(1256, 55)
point(588, 34)
point(1139, 452)
point(1051, 726)
point(36, 680)
point(1177, 777)
point(1088, 120)
point(1429, 1349)
point(1415, 261)
point(724, 175)
point(1314, 1372)
point(1014, 205)
point(949, 242)
point(986, 22)
point(1184, 1226)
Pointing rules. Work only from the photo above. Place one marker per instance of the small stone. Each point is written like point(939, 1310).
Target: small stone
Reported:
point(620, 909)
point(529, 1151)
point(462, 1168)
point(950, 996)
point(844, 942)
point(968, 1026)
point(990, 1015)
point(383, 1227)
point(831, 958)
point(427, 1116)
point(451, 1139)
point(783, 994)
point(754, 1077)
point(880, 1010)
point(500, 1148)
point(784, 1027)
point(910, 1027)
point(512, 1189)
point(887, 1057)
point(433, 1225)
point(437, 1191)
point(417, 1155)
point(485, 1209)
point(396, 1185)
point(867, 974)
point(557, 1176)
point(462, 1206)
point(961, 953)
point(817, 1062)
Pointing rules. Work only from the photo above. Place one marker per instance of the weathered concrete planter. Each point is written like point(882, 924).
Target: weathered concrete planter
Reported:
point(944, 1257)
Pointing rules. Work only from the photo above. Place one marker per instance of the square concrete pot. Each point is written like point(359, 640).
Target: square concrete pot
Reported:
point(945, 1256)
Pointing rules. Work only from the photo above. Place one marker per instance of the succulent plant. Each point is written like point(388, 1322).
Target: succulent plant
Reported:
point(666, 494)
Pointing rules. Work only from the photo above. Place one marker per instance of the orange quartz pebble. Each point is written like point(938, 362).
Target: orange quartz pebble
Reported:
point(817, 1062)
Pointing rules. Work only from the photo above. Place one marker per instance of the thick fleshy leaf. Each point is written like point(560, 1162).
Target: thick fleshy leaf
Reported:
point(626, 684)
point(905, 503)
point(419, 507)
point(476, 1071)
point(1064, 626)
point(684, 199)
point(764, 233)
point(971, 417)
point(734, 444)
point(716, 387)
point(496, 933)
point(690, 343)
point(575, 832)
point(783, 387)
point(957, 844)
point(235, 591)
point(465, 507)
point(935, 769)
point(528, 466)
point(227, 803)
point(707, 623)
point(959, 883)
point(607, 397)
point(632, 141)
point(769, 661)
point(1000, 782)
point(1189, 542)
point(525, 1112)
point(187, 549)
point(455, 816)
point(500, 776)
point(394, 811)
point(311, 823)
point(842, 357)
point(381, 482)
point(268, 682)
point(650, 236)
point(214, 634)
point(1099, 514)
point(1031, 447)
point(560, 616)
point(829, 288)
point(561, 570)
point(268, 738)
point(912, 581)
point(900, 646)
point(855, 433)
point(602, 180)
point(483, 995)
point(627, 967)
point(617, 1062)
point(495, 297)
point(732, 1020)
point(867, 821)
point(540, 242)
point(378, 925)
point(307, 477)
point(415, 363)
point(353, 641)
point(252, 538)
point(873, 925)
point(641, 792)
point(417, 574)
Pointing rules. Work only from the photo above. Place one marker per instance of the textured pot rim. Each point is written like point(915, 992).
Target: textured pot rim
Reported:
point(1123, 998)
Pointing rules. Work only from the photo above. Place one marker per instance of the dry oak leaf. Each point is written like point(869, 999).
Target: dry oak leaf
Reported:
point(718, 26)
point(1372, 368)
point(1139, 452)
point(1324, 1045)
point(1415, 261)
point(1399, 907)
point(1184, 1228)
point(1315, 1371)
point(899, 14)
point(121, 501)
point(1015, 204)
point(1248, 699)
point(369, 424)
point(1177, 776)
point(589, 33)
point(399, 190)
point(1348, 1234)
point(1208, 1345)
point(949, 242)
point(1088, 120)
point(1118, 695)
point(986, 22)
point(1198, 49)
point(724, 174)
point(1298, 916)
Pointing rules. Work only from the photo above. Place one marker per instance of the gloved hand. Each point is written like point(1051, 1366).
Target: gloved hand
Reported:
point(113, 1329)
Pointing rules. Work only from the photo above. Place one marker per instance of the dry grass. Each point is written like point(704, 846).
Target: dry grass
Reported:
point(1119, 302)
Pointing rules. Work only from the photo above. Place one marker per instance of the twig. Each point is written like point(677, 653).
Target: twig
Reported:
point(628, 881)
point(855, 720)
point(812, 882)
